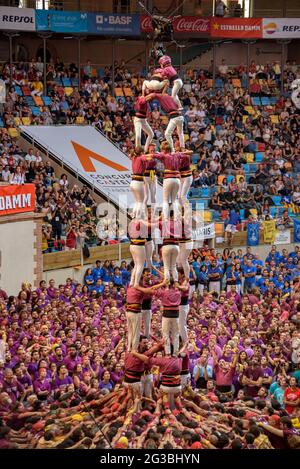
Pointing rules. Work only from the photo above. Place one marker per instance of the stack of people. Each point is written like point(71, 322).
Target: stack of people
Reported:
point(185, 348)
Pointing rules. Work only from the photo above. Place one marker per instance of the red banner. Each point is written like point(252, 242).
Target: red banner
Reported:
point(190, 25)
point(17, 199)
point(236, 28)
point(146, 24)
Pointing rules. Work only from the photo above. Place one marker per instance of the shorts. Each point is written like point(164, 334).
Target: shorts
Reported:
point(231, 229)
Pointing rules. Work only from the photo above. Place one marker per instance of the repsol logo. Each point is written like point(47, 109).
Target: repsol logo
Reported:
point(17, 19)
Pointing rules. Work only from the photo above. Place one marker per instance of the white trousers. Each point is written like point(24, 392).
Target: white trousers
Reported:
point(177, 85)
point(150, 190)
point(185, 184)
point(201, 288)
point(296, 98)
point(139, 257)
point(183, 314)
point(169, 255)
point(170, 191)
point(175, 123)
point(134, 322)
point(192, 290)
point(139, 125)
point(146, 315)
point(147, 383)
point(137, 387)
point(185, 380)
point(183, 256)
point(170, 331)
point(149, 247)
point(215, 286)
point(153, 85)
point(138, 190)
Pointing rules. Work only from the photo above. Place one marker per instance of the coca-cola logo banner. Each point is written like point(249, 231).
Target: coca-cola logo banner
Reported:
point(189, 25)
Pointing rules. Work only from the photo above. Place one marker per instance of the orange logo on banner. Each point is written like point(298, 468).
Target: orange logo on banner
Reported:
point(17, 199)
point(85, 157)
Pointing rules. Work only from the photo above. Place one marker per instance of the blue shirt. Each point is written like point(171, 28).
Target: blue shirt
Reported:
point(97, 273)
point(250, 269)
point(202, 277)
point(234, 218)
point(118, 280)
point(238, 277)
point(89, 278)
point(98, 289)
point(209, 370)
point(125, 276)
point(215, 270)
point(106, 275)
point(273, 257)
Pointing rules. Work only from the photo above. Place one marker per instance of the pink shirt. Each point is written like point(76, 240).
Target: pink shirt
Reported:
point(141, 107)
point(223, 378)
point(171, 297)
point(138, 164)
point(134, 296)
point(167, 102)
point(171, 229)
point(167, 365)
point(185, 161)
point(137, 230)
point(170, 160)
point(169, 72)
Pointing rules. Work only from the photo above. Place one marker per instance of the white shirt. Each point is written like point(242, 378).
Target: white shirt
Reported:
point(30, 158)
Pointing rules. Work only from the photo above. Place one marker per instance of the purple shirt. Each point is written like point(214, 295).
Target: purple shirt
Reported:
point(61, 382)
point(40, 386)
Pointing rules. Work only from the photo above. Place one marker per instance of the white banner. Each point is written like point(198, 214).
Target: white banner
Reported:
point(18, 19)
point(204, 232)
point(276, 28)
point(283, 237)
point(87, 152)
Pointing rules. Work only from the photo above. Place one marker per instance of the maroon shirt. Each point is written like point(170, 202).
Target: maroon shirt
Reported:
point(167, 102)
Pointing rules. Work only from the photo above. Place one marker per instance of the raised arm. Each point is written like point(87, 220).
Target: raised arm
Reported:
point(140, 356)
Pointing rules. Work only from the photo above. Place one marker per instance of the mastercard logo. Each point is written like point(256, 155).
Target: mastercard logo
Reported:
point(270, 28)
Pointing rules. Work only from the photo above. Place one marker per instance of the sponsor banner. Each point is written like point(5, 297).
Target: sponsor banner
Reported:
point(296, 231)
point(19, 19)
point(61, 21)
point(189, 25)
point(283, 237)
point(280, 28)
point(192, 25)
point(95, 159)
point(253, 234)
point(17, 199)
point(269, 230)
point(236, 28)
point(204, 232)
point(114, 24)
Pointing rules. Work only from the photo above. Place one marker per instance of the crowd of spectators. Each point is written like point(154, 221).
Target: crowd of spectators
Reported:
point(246, 150)
point(62, 350)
